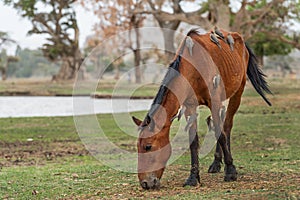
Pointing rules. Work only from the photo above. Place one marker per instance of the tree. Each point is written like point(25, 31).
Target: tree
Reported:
point(168, 26)
point(4, 38)
point(31, 63)
point(264, 23)
point(4, 58)
point(269, 30)
point(58, 22)
point(117, 16)
point(272, 18)
point(265, 46)
point(4, 62)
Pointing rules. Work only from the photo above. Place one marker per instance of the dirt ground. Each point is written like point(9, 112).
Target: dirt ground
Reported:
point(250, 185)
point(268, 181)
point(38, 152)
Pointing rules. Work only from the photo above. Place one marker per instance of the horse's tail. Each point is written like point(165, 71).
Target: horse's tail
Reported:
point(257, 77)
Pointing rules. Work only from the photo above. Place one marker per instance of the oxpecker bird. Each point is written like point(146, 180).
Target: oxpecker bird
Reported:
point(190, 121)
point(179, 114)
point(222, 114)
point(214, 39)
point(230, 41)
point(219, 33)
point(189, 43)
point(210, 124)
point(216, 81)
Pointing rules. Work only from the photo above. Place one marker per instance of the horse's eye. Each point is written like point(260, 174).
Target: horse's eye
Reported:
point(148, 147)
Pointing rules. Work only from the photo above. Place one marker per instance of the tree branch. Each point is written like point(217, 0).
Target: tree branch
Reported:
point(294, 43)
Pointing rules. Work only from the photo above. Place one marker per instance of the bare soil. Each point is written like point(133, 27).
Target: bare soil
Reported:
point(38, 152)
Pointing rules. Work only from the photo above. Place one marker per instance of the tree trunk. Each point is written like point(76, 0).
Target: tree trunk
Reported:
point(136, 22)
point(71, 62)
point(70, 68)
point(168, 30)
point(99, 67)
point(80, 70)
point(137, 56)
point(3, 66)
point(169, 43)
point(117, 72)
point(66, 71)
point(3, 73)
point(223, 12)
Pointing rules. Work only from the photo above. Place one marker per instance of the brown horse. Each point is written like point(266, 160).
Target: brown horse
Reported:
point(207, 70)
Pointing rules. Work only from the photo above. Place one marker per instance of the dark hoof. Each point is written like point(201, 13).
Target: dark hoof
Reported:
point(193, 180)
point(230, 173)
point(215, 167)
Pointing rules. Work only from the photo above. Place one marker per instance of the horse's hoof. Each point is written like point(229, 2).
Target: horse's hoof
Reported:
point(193, 180)
point(230, 173)
point(215, 167)
point(230, 177)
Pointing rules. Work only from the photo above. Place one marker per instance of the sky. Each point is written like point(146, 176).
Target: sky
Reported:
point(18, 27)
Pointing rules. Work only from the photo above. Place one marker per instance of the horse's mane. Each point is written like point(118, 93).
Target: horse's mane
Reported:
point(173, 71)
point(197, 31)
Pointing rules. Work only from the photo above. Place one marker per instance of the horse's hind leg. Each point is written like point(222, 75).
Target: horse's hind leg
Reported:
point(191, 117)
point(218, 122)
point(234, 103)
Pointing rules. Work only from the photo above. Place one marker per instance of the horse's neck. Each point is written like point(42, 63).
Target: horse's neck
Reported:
point(167, 110)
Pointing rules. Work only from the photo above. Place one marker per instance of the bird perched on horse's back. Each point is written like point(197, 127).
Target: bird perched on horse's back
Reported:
point(219, 33)
point(230, 41)
point(214, 39)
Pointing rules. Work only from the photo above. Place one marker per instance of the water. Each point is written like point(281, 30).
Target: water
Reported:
point(66, 106)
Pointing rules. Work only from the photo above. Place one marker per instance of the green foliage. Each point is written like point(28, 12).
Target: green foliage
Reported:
point(273, 34)
point(4, 38)
point(265, 146)
point(3, 57)
point(257, 5)
point(264, 45)
point(58, 23)
point(265, 22)
point(31, 63)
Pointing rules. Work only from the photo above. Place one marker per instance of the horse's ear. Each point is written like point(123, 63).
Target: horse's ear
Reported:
point(136, 121)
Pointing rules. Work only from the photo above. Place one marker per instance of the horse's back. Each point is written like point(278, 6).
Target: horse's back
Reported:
point(231, 64)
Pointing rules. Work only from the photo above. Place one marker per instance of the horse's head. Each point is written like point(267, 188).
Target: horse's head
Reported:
point(154, 150)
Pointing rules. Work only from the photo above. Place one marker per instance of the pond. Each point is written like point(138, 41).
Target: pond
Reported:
point(66, 106)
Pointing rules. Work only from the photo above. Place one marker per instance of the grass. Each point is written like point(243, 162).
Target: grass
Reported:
point(107, 87)
point(35, 87)
point(54, 164)
point(45, 87)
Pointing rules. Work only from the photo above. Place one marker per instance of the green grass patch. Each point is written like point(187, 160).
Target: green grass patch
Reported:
point(54, 164)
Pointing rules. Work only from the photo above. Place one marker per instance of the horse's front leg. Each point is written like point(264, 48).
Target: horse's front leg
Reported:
point(215, 167)
point(194, 177)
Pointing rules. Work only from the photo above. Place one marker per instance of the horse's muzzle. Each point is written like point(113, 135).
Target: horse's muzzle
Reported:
point(151, 183)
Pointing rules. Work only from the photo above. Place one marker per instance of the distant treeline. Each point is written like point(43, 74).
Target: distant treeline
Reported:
point(31, 63)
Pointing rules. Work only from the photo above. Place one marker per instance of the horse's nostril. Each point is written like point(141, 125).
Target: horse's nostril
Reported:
point(152, 184)
point(144, 185)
